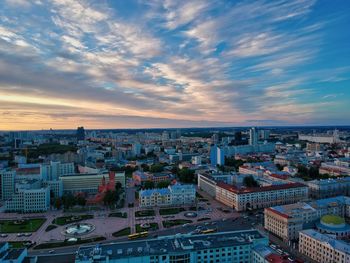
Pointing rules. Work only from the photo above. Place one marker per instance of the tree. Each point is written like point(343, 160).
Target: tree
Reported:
point(149, 185)
point(145, 167)
point(186, 175)
point(249, 181)
point(68, 201)
point(80, 200)
point(110, 198)
point(232, 162)
point(118, 186)
point(279, 167)
point(58, 203)
point(156, 168)
point(163, 184)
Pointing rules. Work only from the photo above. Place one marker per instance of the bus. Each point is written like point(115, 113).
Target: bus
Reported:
point(138, 235)
point(210, 230)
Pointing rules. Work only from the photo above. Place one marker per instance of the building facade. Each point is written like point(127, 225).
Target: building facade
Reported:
point(7, 184)
point(174, 195)
point(323, 248)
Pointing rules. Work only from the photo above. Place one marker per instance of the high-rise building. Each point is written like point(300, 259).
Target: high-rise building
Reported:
point(7, 184)
point(136, 149)
point(217, 155)
point(80, 134)
point(54, 170)
point(264, 134)
point(253, 136)
point(215, 138)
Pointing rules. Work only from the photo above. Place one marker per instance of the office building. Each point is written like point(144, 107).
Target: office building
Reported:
point(235, 246)
point(323, 248)
point(54, 170)
point(321, 137)
point(80, 134)
point(136, 149)
point(253, 136)
point(217, 155)
point(7, 184)
point(247, 198)
point(12, 255)
point(173, 195)
point(30, 197)
point(325, 188)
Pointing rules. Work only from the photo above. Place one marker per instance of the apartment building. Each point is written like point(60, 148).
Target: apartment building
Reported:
point(286, 221)
point(173, 195)
point(329, 187)
point(7, 184)
point(323, 248)
point(234, 246)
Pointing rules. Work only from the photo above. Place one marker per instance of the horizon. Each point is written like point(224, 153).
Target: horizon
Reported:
point(156, 64)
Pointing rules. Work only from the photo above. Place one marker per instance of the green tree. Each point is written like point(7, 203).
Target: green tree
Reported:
point(68, 201)
point(110, 198)
point(80, 200)
point(249, 181)
point(149, 185)
point(58, 203)
point(186, 175)
point(156, 168)
point(163, 184)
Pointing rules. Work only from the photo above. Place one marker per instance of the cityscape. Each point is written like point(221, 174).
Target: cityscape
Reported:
point(173, 131)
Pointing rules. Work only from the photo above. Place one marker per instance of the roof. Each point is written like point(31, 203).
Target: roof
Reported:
point(14, 253)
point(332, 219)
point(274, 258)
point(170, 244)
point(236, 190)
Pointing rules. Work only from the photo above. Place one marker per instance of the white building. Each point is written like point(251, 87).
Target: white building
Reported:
point(323, 248)
point(29, 200)
point(253, 136)
point(174, 195)
point(54, 170)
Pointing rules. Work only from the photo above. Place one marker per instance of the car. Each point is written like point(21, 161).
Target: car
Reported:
point(290, 259)
point(279, 251)
point(3, 235)
point(187, 224)
point(27, 234)
point(224, 219)
point(51, 251)
point(206, 223)
point(273, 246)
point(19, 234)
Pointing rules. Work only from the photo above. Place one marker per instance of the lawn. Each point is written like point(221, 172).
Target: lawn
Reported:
point(118, 214)
point(64, 220)
point(123, 232)
point(26, 225)
point(175, 222)
point(170, 211)
point(145, 213)
point(19, 244)
point(153, 226)
point(69, 243)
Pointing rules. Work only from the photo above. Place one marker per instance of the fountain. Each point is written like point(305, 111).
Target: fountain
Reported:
point(190, 214)
point(78, 229)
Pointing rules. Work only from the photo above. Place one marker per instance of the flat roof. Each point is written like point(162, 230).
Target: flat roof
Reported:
point(246, 190)
point(170, 244)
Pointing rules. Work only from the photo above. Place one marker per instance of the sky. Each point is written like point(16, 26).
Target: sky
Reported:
point(172, 63)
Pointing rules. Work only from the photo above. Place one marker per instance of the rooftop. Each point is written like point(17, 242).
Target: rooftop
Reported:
point(170, 244)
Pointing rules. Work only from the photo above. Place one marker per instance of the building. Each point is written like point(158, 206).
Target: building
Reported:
point(136, 149)
point(253, 136)
point(314, 147)
point(140, 177)
point(56, 187)
point(7, 184)
point(264, 134)
point(54, 170)
point(80, 134)
point(338, 168)
point(173, 195)
point(321, 137)
point(286, 221)
point(235, 246)
point(247, 198)
point(323, 248)
point(87, 183)
point(30, 197)
point(12, 255)
point(217, 156)
point(325, 188)
point(265, 254)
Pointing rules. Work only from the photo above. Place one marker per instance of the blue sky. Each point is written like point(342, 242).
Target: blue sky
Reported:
point(135, 64)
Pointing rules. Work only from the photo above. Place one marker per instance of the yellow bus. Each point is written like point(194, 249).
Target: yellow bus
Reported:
point(138, 235)
point(207, 231)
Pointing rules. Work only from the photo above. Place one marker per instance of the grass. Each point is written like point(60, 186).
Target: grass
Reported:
point(28, 225)
point(19, 244)
point(170, 211)
point(123, 232)
point(50, 227)
point(64, 220)
point(145, 213)
point(118, 214)
point(153, 226)
point(69, 243)
point(332, 219)
point(175, 222)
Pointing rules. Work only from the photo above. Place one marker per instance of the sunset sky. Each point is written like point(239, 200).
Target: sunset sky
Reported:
point(152, 63)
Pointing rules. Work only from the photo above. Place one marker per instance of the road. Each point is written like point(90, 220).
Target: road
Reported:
point(63, 255)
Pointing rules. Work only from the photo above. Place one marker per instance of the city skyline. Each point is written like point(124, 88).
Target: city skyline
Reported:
point(160, 64)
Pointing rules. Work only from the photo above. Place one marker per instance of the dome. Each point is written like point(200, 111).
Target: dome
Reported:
point(333, 221)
